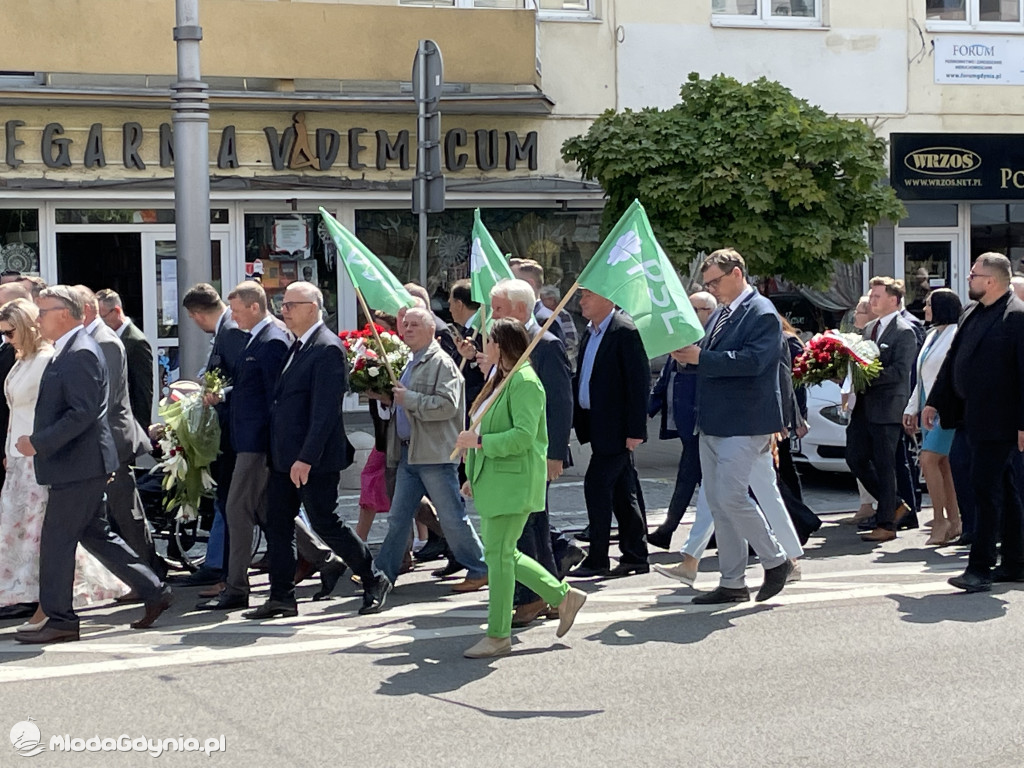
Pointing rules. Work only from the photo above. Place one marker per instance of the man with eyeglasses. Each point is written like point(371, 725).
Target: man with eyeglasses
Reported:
point(980, 388)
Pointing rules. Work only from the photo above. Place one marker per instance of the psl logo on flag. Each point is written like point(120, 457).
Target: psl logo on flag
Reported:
point(356, 260)
point(476, 256)
point(625, 248)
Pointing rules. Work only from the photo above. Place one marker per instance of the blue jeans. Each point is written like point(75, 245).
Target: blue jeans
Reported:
point(215, 547)
point(440, 482)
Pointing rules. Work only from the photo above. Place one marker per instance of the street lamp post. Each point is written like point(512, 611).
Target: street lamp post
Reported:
point(191, 121)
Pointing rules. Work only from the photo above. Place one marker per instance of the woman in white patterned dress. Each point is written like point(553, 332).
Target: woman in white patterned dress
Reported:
point(23, 500)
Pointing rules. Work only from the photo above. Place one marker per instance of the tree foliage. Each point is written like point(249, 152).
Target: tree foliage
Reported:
point(744, 165)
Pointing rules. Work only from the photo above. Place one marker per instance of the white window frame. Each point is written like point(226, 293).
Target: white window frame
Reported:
point(764, 18)
point(974, 23)
point(590, 12)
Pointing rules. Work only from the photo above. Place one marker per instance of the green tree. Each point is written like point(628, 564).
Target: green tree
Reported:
point(744, 165)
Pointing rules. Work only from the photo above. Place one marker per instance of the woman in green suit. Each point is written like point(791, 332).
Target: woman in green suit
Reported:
point(507, 470)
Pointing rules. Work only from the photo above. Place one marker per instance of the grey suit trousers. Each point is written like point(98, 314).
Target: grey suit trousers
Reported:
point(727, 463)
point(128, 518)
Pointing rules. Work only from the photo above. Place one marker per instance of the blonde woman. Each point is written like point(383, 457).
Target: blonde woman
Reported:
point(23, 500)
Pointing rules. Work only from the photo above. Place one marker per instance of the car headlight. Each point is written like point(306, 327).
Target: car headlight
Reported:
point(836, 415)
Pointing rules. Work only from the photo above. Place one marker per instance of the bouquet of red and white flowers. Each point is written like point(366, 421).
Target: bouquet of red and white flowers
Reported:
point(366, 368)
point(833, 356)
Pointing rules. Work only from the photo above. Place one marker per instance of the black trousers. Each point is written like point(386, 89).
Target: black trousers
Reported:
point(871, 454)
point(75, 514)
point(998, 508)
point(535, 542)
point(907, 473)
point(610, 488)
point(128, 519)
point(687, 479)
point(319, 497)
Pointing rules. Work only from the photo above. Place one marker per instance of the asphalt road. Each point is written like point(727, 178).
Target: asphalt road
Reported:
point(871, 658)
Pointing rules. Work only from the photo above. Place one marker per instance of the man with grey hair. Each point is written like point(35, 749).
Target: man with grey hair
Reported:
point(549, 296)
point(532, 272)
point(980, 388)
point(1017, 283)
point(428, 416)
point(442, 332)
point(128, 518)
point(138, 350)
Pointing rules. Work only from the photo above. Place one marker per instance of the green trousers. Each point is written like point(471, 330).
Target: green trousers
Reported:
point(506, 565)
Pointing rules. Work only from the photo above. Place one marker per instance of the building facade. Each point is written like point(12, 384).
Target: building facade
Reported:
point(310, 105)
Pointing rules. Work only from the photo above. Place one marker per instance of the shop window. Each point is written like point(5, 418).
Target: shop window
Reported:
point(786, 13)
point(1001, 15)
point(19, 240)
point(930, 215)
point(999, 228)
point(128, 216)
point(281, 248)
point(561, 241)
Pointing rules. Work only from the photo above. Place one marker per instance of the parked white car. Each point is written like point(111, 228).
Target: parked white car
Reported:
point(824, 445)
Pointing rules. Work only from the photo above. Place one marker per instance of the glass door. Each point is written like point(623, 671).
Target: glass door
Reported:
point(929, 262)
point(163, 310)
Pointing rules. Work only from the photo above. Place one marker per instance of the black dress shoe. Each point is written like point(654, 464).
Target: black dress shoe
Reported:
point(46, 635)
point(376, 595)
point(660, 538)
point(868, 523)
point(154, 608)
point(908, 523)
point(330, 575)
point(774, 581)
point(224, 603)
point(588, 571)
point(272, 609)
point(434, 549)
point(722, 595)
point(971, 582)
point(583, 535)
point(18, 611)
point(450, 569)
point(627, 569)
point(573, 556)
point(1002, 574)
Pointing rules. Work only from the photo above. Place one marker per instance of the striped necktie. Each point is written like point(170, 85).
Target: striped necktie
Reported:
point(719, 325)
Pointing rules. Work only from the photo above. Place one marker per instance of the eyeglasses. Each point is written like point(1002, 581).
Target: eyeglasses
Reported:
point(288, 306)
point(703, 309)
point(44, 310)
point(974, 274)
point(712, 284)
point(8, 334)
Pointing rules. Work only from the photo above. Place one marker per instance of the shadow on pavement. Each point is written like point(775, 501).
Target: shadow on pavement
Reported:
point(522, 714)
point(664, 626)
point(932, 609)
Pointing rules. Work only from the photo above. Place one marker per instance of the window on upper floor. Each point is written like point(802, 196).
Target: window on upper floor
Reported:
point(567, 8)
point(983, 15)
point(769, 13)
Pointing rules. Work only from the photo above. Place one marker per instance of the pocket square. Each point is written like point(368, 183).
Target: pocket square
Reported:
point(883, 346)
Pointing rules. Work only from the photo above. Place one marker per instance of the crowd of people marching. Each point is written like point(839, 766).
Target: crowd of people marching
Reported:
point(463, 420)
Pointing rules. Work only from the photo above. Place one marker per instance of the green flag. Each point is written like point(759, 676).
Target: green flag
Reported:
point(487, 265)
point(379, 287)
point(632, 270)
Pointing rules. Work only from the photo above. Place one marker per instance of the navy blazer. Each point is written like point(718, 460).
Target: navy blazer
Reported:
point(256, 373)
point(70, 434)
point(619, 385)
point(738, 376)
point(305, 418)
point(886, 397)
point(551, 364)
point(684, 400)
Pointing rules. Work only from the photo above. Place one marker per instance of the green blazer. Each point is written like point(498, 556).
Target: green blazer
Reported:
point(509, 473)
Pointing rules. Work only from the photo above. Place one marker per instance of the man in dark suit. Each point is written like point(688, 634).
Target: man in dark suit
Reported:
point(139, 353)
point(467, 314)
point(514, 298)
point(532, 272)
point(610, 413)
point(74, 456)
point(739, 408)
point(204, 306)
point(126, 514)
point(308, 450)
point(876, 421)
point(256, 373)
point(980, 388)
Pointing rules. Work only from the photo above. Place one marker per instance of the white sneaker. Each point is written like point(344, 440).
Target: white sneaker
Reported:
point(679, 572)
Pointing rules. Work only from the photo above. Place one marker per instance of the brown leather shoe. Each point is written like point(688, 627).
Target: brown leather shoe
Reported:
point(46, 635)
point(879, 535)
point(470, 585)
point(153, 610)
point(527, 613)
point(303, 570)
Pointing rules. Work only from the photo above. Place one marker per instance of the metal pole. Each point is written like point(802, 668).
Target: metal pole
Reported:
point(421, 164)
point(191, 121)
point(423, 248)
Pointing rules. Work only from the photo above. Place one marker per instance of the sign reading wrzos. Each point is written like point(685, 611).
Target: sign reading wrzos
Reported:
point(291, 148)
point(957, 166)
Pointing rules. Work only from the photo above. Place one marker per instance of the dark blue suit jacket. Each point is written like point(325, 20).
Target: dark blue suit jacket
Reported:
point(552, 367)
point(256, 374)
point(70, 434)
point(305, 419)
point(684, 400)
point(738, 376)
point(227, 348)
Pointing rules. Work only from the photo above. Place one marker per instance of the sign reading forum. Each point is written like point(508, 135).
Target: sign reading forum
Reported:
point(981, 60)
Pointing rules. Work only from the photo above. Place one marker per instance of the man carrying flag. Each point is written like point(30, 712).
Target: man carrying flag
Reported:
point(611, 386)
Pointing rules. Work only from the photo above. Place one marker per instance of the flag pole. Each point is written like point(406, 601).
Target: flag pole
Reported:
point(380, 344)
point(523, 359)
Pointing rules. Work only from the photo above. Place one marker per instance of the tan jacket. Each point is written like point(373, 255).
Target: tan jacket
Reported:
point(436, 407)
